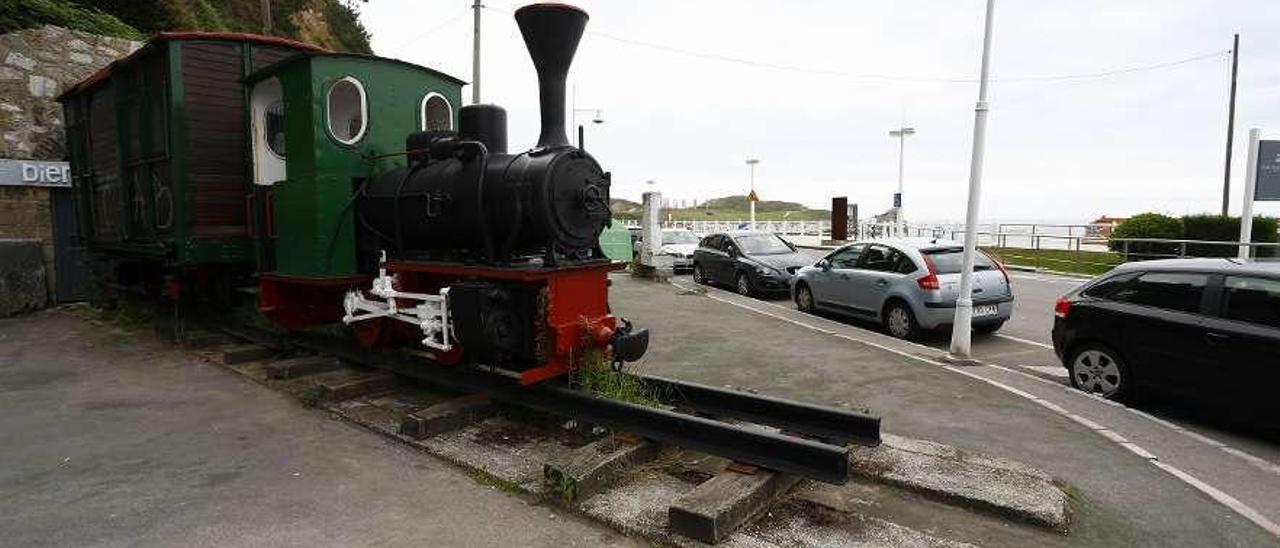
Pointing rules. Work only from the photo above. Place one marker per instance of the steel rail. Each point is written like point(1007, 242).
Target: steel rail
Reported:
point(790, 454)
point(827, 423)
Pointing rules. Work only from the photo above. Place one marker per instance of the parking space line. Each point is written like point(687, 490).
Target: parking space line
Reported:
point(1218, 495)
point(1024, 341)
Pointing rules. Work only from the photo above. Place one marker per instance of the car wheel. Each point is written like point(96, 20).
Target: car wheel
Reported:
point(804, 298)
point(899, 321)
point(987, 328)
point(744, 284)
point(698, 277)
point(1099, 370)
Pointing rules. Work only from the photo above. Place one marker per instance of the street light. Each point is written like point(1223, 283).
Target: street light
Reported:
point(751, 198)
point(963, 323)
point(901, 133)
point(595, 119)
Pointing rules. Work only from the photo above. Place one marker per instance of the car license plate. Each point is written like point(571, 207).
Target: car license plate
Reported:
point(984, 310)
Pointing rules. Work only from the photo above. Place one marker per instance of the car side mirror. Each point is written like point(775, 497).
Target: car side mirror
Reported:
point(824, 264)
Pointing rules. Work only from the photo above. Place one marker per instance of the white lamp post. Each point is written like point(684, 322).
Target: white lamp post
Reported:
point(901, 133)
point(961, 327)
point(751, 163)
point(1250, 188)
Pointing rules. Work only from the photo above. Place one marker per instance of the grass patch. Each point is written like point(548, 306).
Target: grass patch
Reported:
point(128, 313)
point(1090, 263)
point(246, 313)
point(484, 478)
point(1075, 497)
point(596, 375)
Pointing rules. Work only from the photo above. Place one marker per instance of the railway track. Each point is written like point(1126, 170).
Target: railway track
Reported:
point(789, 437)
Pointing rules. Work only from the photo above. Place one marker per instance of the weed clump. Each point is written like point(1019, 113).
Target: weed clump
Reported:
point(595, 374)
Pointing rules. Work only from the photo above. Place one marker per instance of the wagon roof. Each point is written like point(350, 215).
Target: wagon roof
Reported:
point(274, 68)
point(102, 73)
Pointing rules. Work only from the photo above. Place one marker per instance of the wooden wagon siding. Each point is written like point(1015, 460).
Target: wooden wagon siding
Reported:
point(215, 129)
point(105, 189)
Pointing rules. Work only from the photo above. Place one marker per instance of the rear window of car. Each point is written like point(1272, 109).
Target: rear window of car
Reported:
point(950, 260)
point(1179, 291)
point(1252, 300)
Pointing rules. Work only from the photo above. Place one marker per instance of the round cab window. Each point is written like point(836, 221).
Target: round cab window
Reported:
point(346, 110)
point(437, 115)
point(273, 128)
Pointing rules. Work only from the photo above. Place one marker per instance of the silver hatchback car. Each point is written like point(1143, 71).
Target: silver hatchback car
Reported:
point(907, 285)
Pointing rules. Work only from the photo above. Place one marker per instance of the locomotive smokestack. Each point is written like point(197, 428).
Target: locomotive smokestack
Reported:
point(551, 32)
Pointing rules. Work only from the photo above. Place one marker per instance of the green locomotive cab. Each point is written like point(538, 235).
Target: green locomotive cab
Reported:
point(322, 124)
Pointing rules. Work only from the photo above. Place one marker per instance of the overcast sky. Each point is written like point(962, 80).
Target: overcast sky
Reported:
point(690, 89)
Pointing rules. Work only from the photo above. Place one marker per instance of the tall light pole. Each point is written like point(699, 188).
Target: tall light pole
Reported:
point(901, 133)
point(961, 327)
point(595, 119)
point(751, 198)
point(1231, 124)
point(475, 53)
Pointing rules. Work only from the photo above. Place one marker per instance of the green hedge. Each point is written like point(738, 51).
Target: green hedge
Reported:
point(1148, 225)
point(1191, 227)
point(1220, 228)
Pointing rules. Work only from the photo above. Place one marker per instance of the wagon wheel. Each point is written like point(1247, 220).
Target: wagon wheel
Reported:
point(372, 333)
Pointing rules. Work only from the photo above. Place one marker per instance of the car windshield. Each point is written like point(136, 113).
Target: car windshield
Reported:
point(762, 244)
point(949, 260)
point(677, 237)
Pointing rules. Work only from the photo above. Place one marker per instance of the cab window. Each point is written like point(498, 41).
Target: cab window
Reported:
point(347, 107)
point(437, 114)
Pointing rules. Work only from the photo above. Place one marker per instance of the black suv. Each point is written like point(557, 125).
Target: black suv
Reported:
point(1199, 329)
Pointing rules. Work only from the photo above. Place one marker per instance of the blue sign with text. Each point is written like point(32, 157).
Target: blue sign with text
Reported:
point(1268, 187)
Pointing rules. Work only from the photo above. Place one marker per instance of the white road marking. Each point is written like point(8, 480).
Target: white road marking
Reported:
point(1025, 341)
point(1218, 495)
point(1055, 371)
point(1227, 500)
point(1051, 280)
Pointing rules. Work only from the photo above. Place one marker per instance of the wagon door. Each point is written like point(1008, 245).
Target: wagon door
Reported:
point(269, 165)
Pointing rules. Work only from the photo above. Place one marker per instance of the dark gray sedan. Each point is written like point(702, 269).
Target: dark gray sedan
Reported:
point(751, 262)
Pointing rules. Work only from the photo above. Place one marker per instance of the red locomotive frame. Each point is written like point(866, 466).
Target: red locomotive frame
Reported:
point(577, 305)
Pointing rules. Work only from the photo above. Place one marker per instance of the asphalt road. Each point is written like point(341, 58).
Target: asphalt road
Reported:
point(1025, 342)
point(1144, 481)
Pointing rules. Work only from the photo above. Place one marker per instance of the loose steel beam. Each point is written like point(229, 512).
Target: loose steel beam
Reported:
point(828, 423)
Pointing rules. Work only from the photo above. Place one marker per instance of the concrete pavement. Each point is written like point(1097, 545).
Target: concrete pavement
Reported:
point(1129, 499)
point(114, 440)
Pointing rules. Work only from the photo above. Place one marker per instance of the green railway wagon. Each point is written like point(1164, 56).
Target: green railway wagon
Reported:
point(160, 156)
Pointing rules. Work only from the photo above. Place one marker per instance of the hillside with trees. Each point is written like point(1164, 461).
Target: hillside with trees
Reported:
point(728, 208)
point(330, 23)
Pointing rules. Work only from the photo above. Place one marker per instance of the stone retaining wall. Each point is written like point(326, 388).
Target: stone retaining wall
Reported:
point(22, 283)
point(35, 66)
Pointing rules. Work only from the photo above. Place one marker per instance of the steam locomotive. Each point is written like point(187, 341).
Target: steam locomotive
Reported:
point(340, 184)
